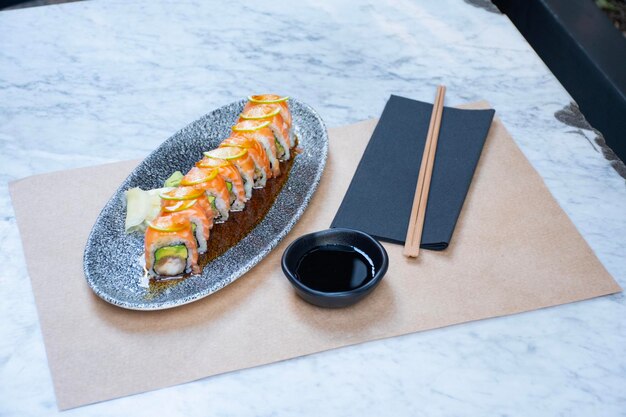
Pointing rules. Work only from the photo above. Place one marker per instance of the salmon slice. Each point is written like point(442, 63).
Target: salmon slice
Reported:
point(215, 189)
point(262, 169)
point(272, 99)
point(241, 159)
point(199, 216)
point(260, 131)
point(231, 175)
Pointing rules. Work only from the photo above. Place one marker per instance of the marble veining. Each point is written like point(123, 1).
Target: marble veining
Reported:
point(572, 116)
point(484, 4)
point(94, 82)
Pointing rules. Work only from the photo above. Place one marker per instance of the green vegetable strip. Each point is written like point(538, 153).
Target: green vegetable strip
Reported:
point(178, 251)
point(174, 179)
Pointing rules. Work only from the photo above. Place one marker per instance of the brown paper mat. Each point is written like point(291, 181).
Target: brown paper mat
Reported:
point(514, 250)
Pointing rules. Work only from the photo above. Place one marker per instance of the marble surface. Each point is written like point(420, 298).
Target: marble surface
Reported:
point(93, 82)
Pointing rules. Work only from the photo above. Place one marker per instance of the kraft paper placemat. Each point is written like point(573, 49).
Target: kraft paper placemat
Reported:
point(515, 250)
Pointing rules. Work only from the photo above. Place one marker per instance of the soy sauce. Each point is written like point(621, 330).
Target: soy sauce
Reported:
point(335, 268)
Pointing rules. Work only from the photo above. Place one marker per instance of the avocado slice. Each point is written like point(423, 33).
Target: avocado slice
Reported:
point(174, 179)
point(177, 251)
point(211, 200)
point(229, 185)
point(280, 150)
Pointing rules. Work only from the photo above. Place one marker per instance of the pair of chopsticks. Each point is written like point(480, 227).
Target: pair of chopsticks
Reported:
point(420, 200)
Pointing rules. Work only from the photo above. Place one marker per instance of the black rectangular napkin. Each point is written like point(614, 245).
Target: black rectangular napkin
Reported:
point(380, 195)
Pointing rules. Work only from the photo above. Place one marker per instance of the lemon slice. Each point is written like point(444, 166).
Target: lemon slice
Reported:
point(267, 98)
point(250, 125)
point(226, 153)
point(198, 176)
point(180, 206)
point(260, 112)
point(166, 224)
point(182, 193)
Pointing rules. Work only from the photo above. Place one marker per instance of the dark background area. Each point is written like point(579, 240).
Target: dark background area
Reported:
point(17, 4)
point(616, 11)
point(585, 52)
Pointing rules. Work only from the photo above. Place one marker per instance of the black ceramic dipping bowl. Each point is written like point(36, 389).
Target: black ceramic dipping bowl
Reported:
point(344, 237)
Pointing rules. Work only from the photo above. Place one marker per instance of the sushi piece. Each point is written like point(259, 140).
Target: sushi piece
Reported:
point(260, 131)
point(241, 159)
point(271, 113)
point(271, 99)
point(201, 219)
point(233, 180)
point(185, 194)
point(209, 210)
point(274, 100)
point(170, 247)
point(262, 169)
point(215, 188)
point(280, 136)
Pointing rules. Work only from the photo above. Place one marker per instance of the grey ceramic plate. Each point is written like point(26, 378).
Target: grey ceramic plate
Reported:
point(111, 256)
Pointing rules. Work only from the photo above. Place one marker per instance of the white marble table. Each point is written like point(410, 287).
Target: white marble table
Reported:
point(93, 82)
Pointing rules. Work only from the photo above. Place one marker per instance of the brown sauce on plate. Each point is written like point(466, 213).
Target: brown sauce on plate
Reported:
point(239, 224)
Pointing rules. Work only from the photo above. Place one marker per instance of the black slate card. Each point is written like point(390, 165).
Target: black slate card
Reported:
point(380, 195)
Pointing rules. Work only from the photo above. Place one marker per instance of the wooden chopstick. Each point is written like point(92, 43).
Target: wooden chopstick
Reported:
point(420, 200)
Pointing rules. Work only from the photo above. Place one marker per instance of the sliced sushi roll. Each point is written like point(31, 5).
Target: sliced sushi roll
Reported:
point(214, 187)
point(270, 113)
point(262, 169)
point(233, 180)
point(260, 131)
point(281, 136)
point(282, 102)
point(170, 247)
point(207, 205)
point(187, 193)
point(241, 159)
point(201, 219)
point(264, 137)
point(275, 100)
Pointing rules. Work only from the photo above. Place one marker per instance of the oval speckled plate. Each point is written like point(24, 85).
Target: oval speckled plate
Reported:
point(111, 258)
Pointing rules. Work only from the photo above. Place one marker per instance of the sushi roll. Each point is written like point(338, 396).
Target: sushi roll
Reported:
point(221, 182)
point(281, 141)
point(208, 208)
point(262, 171)
point(170, 247)
point(271, 99)
point(240, 158)
point(201, 219)
point(274, 100)
point(215, 188)
point(271, 113)
point(260, 131)
point(233, 180)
